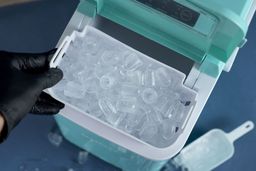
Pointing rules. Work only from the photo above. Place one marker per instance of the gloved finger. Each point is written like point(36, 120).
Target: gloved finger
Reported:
point(49, 78)
point(47, 99)
point(33, 61)
point(44, 109)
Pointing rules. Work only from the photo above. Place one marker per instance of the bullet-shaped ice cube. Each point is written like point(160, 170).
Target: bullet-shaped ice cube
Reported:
point(91, 85)
point(110, 58)
point(55, 138)
point(109, 110)
point(106, 81)
point(133, 78)
point(149, 96)
point(148, 78)
point(101, 69)
point(82, 157)
point(132, 121)
point(148, 131)
point(74, 90)
point(132, 62)
point(168, 129)
point(162, 77)
point(127, 104)
point(128, 90)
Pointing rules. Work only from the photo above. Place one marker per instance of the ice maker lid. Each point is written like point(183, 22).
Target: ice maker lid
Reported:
point(194, 28)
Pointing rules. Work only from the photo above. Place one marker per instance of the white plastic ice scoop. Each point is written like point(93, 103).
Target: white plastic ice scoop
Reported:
point(212, 149)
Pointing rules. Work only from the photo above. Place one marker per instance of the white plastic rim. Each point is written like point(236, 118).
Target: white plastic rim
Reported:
point(105, 130)
point(56, 59)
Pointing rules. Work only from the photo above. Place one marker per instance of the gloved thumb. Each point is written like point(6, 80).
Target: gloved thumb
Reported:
point(50, 78)
point(30, 61)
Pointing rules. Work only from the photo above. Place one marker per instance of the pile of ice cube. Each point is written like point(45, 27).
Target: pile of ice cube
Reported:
point(125, 88)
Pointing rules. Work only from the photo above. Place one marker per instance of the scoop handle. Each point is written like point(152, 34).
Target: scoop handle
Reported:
point(240, 131)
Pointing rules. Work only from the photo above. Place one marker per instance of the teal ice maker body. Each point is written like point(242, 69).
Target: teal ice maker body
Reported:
point(209, 33)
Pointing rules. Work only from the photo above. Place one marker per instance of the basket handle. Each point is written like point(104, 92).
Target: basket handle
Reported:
point(57, 57)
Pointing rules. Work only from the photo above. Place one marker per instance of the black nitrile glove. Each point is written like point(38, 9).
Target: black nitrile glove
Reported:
point(23, 77)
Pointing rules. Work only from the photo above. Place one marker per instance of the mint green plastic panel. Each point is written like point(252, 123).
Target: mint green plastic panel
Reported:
point(232, 26)
point(240, 7)
point(104, 149)
point(218, 32)
point(212, 66)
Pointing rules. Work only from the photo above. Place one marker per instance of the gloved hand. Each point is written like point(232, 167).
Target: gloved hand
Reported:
point(23, 77)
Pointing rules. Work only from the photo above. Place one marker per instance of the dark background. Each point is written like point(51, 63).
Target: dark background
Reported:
point(38, 26)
